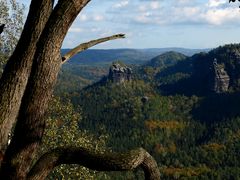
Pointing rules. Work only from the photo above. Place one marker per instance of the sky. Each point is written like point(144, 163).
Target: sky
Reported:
point(157, 23)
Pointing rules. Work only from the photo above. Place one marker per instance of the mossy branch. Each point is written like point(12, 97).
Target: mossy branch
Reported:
point(96, 161)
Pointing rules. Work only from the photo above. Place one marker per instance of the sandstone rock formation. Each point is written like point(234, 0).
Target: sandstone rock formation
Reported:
point(221, 78)
point(119, 73)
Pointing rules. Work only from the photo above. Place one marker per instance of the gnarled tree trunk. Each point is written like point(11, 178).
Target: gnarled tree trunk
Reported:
point(96, 161)
point(26, 88)
point(17, 70)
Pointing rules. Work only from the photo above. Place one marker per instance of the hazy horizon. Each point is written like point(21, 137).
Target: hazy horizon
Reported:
point(95, 48)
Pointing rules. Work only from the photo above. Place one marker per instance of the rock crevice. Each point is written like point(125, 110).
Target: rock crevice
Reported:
point(221, 78)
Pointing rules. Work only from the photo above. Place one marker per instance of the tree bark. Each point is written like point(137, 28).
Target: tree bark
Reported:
point(17, 70)
point(95, 161)
point(22, 150)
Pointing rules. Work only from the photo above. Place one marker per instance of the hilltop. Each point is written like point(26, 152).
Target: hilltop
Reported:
point(128, 56)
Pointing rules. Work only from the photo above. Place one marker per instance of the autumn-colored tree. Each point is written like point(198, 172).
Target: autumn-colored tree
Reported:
point(62, 130)
point(26, 87)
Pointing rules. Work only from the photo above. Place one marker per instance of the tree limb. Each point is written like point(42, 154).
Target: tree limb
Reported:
point(95, 161)
point(87, 45)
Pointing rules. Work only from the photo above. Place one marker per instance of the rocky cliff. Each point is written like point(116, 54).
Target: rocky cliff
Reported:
point(221, 78)
point(119, 73)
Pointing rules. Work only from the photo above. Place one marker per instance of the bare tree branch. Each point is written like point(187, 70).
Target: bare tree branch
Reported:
point(96, 161)
point(87, 45)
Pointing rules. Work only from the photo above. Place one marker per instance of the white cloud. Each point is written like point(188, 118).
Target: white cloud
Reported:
point(222, 16)
point(144, 17)
point(184, 1)
point(121, 4)
point(215, 3)
point(185, 15)
point(154, 5)
point(151, 19)
point(94, 17)
point(186, 12)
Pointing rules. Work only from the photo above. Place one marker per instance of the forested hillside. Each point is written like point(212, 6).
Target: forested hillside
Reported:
point(129, 56)
point(171, 107)
point(134, 112)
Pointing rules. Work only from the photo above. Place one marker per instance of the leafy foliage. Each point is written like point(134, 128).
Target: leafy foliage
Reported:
point(62, 130)
point(11, 14)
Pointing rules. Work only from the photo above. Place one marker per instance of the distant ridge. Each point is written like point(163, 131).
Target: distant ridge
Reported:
point(166, 59)
point(128, 56)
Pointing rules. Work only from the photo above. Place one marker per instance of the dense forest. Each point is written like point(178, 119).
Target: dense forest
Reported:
point(180, 105)
point(170, 105)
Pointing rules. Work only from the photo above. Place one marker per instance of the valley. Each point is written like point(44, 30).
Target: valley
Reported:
point(177, 106)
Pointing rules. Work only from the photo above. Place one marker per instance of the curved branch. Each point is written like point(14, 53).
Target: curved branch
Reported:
point(96, 161)
point(89, 44)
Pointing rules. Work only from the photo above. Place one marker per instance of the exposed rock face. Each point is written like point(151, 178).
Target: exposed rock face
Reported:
point(119, 73)
point(221, 78)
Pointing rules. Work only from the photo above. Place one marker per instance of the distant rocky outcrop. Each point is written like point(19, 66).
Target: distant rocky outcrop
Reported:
point(120, 73)
point(221, 78)
point(217, 71)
